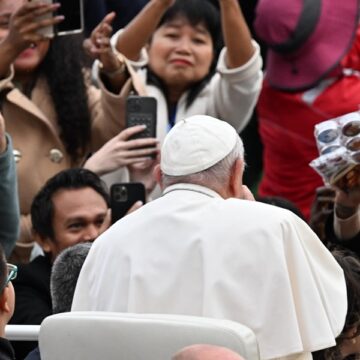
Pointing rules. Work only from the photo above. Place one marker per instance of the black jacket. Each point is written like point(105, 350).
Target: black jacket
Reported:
point(32, 299)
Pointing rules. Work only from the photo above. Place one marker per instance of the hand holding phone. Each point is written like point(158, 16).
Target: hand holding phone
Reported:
point(120, 151)
point(30, 22)
point(70, 14)
point(123, 196)
point(142, 110)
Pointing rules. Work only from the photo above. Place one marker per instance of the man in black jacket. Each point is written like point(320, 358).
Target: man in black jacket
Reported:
point(71, 208)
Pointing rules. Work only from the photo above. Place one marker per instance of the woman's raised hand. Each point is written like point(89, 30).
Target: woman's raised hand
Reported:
point(120, 151)
point(26, 23)
point(98, 46)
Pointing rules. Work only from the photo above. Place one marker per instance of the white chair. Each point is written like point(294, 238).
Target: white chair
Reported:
point(124, 336)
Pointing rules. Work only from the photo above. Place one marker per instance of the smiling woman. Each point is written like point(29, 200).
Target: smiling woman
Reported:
point(178, 42)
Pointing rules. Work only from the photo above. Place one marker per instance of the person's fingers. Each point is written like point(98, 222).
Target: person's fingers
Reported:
point(109, 18)
point(29, 7)
point(139, 161)
point(139, 143)
point(103, 42)
point(140, 152)
point(88, 46)
point(128, 132)
point(33, 15)
point(247, 194)
point(32, 27)
point(134, 207)
point(105, 29)
point(146, 164)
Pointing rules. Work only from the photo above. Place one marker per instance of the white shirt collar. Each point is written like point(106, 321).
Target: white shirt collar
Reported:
point(192, 187)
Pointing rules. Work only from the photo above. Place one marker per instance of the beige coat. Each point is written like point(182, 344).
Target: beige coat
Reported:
point(38, 149)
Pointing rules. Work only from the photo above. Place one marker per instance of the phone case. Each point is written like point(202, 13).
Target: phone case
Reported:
point(74, 17)
point(47, 31)
point(123, 196)
point(141, 110)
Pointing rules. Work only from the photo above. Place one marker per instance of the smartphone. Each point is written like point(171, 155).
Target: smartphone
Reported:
point(72, 10)
point(47, 31)
point(123, 196)
point(141, 110)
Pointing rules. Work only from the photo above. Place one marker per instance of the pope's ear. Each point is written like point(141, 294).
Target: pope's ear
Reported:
point(235, 182)
point(158, 175)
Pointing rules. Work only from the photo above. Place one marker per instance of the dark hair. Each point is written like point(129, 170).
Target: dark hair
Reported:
point(63, 68)
point(196, 12)
point(42, 210)
point(350, 263)
point(64, 274)
point(281, 202)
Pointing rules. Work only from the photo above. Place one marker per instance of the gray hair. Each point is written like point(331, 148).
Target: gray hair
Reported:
point(217, 175)
point(64, 275)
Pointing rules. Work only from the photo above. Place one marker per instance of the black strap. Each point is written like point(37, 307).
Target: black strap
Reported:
point(308, 20)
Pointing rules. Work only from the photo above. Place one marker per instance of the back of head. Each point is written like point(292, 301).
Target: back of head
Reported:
point(200, 150)
point(64, 275)
point(306, 39)
point(42, 210)
point(206, 352)
point(281, 202)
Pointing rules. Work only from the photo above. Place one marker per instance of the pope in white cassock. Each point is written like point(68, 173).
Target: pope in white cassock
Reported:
point(204, 248)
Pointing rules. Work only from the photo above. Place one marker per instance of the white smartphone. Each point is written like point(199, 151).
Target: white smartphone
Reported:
point(72, 10)
point(47, 31)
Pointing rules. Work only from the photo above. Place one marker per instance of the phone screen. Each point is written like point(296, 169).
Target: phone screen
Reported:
point(73, 12)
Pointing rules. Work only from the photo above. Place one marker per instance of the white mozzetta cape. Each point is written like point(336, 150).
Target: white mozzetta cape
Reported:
point(192, 252)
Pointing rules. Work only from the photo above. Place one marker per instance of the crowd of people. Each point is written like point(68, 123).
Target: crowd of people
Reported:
point(282, 259)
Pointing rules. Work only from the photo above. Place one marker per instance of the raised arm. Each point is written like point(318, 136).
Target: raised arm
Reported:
point(347, 214)
point(112, 69)
point(237, 36)
point(136, 35)
point(23, 31)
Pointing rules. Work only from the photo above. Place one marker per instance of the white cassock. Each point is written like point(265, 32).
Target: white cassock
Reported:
point(192, 252)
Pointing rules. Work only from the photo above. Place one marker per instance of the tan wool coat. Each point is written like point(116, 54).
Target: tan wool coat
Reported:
point(38, 149)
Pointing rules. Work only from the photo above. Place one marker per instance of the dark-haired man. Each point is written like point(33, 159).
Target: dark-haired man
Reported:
point(71, 208)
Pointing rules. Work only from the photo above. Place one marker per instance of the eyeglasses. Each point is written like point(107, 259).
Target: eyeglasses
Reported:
point(12, 272)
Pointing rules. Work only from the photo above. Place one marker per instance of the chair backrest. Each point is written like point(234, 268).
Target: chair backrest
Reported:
point(125, 336)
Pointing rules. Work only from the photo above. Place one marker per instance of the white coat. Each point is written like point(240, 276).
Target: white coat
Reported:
point(192, 252)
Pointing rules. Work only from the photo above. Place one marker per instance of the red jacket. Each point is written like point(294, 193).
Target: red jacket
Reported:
point(287, 131)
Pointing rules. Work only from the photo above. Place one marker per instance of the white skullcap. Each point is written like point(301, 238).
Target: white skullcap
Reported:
point(195, 144)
